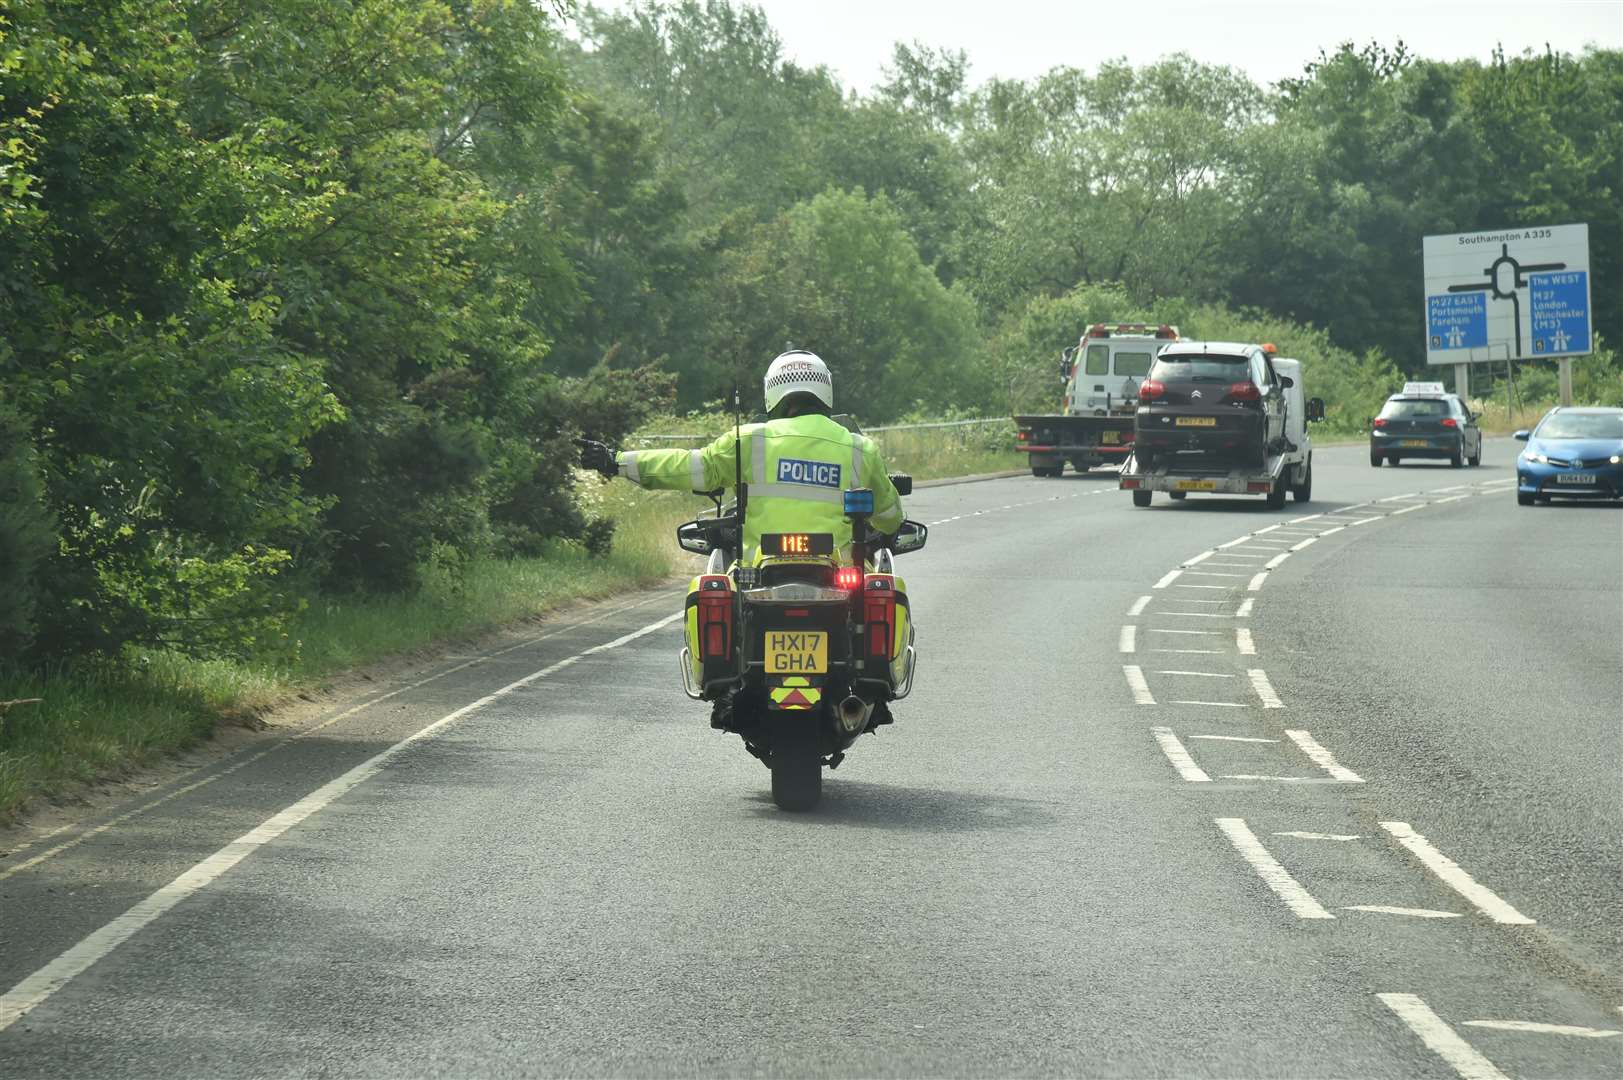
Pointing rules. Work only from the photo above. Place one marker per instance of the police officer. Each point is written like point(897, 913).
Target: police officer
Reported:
point(797, 465)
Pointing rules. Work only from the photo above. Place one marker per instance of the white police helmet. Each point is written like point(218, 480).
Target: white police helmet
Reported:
point(798, 372)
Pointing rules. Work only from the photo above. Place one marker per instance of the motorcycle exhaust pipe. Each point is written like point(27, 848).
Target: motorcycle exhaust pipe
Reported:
point(854, 713)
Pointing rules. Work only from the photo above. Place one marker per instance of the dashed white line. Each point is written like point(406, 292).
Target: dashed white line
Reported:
point(1323, 758)
point(1256, 582)
point(1128, 641)
point(1460, 1055)
point(1412, 912)
point(1201, 633)
point(1309, 542)
point(1409, 509)
point(1269, 529)
point(1179, 756)
point(1321, 835)
point(1273, 563)
point(1275, 876)
point(1198, 674)
point(1330, 532)
point(1139, 605)
point(1399, 498)
point(1167, 579)
point(1452, 498)
point(1213, 573)
point(1243, 642)
point(1245, 608)
point(1304, 517)
point(1451, 874)
point(1264, 689)
point(1215, 704)
point(1202, 652)
point(1234, 738)
point(1193, 614)
point(1181, 585)
point(1202, 557)
point(1365, 521)
point(1140, 688)
point(1545, 1029)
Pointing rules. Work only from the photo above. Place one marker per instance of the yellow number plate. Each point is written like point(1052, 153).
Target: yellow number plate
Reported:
point(1195, 421)
point(1415, 442)
point(796, 652)
point(1196, 485)
point(1110, 438)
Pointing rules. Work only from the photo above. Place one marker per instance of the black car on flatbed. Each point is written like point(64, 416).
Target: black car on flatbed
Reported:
point(1425, 422)
point(1222, 400)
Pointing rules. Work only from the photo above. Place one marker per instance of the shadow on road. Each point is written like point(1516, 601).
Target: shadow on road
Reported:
point(910, 809)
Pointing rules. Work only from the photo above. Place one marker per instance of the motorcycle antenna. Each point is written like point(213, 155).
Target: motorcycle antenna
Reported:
point(738, 466)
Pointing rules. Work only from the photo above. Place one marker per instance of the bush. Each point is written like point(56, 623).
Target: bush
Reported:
point(27, 535)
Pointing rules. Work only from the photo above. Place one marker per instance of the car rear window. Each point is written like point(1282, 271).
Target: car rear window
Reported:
point(1413, 408)
point(1132, 363)
point(1581, 426)
point(1203, 366)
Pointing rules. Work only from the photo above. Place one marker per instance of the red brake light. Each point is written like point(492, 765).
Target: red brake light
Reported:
point(1244, 391)
point(1449, 421)
point(1378, 422)
point(1151, 389)
point(848, 577)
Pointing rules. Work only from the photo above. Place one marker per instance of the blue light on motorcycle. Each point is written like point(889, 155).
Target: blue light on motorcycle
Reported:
point(859, 501)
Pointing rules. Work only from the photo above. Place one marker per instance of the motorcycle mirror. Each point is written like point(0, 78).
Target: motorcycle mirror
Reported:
point(910, 537)
point(902, 482)
point(690, 536)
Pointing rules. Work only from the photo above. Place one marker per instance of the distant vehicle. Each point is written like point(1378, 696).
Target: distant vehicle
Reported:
point(1425, 422)
point(1573, 453)
point(1220, 399)
point(1285, 469)
point(1102, 374)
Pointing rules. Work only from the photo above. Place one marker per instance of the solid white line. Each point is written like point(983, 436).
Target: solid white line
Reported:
point(1201, 674)
point(1202, 557)
point(1233, 738)
point(1264, 689)
point(1320, 835)
point(1218, 704)
point(1179, 756)
point(1461, 1056)
point(1202, 652)
point(1256, 582)
point(1194, 600)
point(1323, 758)
point(1545, 1029)
point(1139, 605)
point(1202, 633)
point(1211, 573)
point(1245, 608)
point(1141, 689)
point(1273, 563)
point(1269, 543)
point(1128, 640)
point(1409, 509)
point(1309, 542)
point(1480, 896)
point(1414, 912)
point(1281, 779)
point(36, 988)
point(1232, 555)
point(1183, 586)
point(1193, 614)
point(1171, 576)
point(1275, 876)
point(1243, 642)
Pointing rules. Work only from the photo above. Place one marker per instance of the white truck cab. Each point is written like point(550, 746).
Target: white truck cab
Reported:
point(1104, 370)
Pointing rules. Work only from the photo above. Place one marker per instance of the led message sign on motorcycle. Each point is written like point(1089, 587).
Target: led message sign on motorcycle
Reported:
point(797, 543)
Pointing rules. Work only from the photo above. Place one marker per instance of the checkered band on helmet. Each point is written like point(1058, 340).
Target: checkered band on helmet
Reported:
point(798, 372)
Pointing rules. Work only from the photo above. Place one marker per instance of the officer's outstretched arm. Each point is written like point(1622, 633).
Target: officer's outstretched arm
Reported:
point(681, 470)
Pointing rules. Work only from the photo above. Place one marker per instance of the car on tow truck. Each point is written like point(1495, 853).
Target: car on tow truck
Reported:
point(1573, 453)
point(1425, 422)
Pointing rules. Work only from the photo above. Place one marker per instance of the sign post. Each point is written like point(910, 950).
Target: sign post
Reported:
point(1523, 291)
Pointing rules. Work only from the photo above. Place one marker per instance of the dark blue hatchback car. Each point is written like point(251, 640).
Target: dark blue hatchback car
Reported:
point(1575, 453)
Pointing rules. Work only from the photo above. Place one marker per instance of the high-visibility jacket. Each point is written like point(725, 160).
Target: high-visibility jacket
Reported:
point(797, 470)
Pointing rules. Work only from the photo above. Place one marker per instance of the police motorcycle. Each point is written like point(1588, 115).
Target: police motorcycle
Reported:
point(803, 651)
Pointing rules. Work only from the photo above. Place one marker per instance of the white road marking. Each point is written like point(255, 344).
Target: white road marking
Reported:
point(1269, 543)
point(1545, 1029)
point(1128, 641)
point(1451, 498)
point(1365, 521)
point(1245, 608)
point(1233, 738)
point(1323, 758)
point(1413, 912)
point(1269, 529)
point(1201, 674)
point(1168, 579)
point(1179, 756)
point(1139, 605)
point(1399, 498)
point(1202, 633)
point(1480, 896)
point(1409, 509)
point(1281, 779)
point(1180, 585)
point(1213, 573)
point(1234, 543)
point(1202, 557)
point(1309, 542)
point(1256, 582)
point(1275, 876)
point(1305, 517)
point(1218, 704)
point(1460, 1055)
point(1264, 689)
point(1141, 689)
point(1273, 563)
point(1195, 600)
point(38, 987)
point(1321, 835)
point(1454, 487)
point(1193, 614)
point(1203, 652)
point(1243, 642)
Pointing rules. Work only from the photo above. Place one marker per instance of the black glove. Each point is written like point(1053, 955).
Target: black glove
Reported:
point(599, 456)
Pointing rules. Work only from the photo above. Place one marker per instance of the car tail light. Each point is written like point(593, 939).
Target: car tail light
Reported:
point(1024, 436)
point(715, 604)
point(879, 615)
point(1244, 391)
point(1378, 422)
point(848, 577)
point(1152, 389)
point(1449, 421)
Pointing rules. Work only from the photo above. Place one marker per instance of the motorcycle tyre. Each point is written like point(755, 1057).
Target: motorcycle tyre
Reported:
point(797, 778)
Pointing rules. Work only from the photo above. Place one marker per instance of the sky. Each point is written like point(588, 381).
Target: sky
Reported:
point(1268, 39)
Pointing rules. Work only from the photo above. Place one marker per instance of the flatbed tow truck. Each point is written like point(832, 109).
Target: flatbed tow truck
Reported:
point(1289, 472)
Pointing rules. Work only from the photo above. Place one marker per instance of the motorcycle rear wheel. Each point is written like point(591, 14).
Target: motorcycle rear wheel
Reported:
point(797, 778)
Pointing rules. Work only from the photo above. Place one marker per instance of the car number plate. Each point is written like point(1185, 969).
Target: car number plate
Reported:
point(1195, 421)
point(796, 652)
point(1195, 485)
point(1415, 442)
point(1110, 437)
point(1575, 478)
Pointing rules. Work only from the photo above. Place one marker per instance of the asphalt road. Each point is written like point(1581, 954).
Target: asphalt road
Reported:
point(1198, 790)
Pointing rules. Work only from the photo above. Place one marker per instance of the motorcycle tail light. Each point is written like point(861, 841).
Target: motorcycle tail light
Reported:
point(879, 615)
point(715, 604)
point(848, 577)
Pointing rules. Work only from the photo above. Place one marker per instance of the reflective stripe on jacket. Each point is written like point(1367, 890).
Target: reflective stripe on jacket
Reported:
point(797, 470)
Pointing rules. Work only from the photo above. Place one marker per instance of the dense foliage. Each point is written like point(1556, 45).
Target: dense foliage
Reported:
point(304, 295)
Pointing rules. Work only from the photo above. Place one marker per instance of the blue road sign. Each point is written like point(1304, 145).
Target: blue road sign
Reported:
point(1457, 321)
point(1560, 312)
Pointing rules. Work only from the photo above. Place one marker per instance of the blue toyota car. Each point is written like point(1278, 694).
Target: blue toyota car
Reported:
point(1575, 453)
